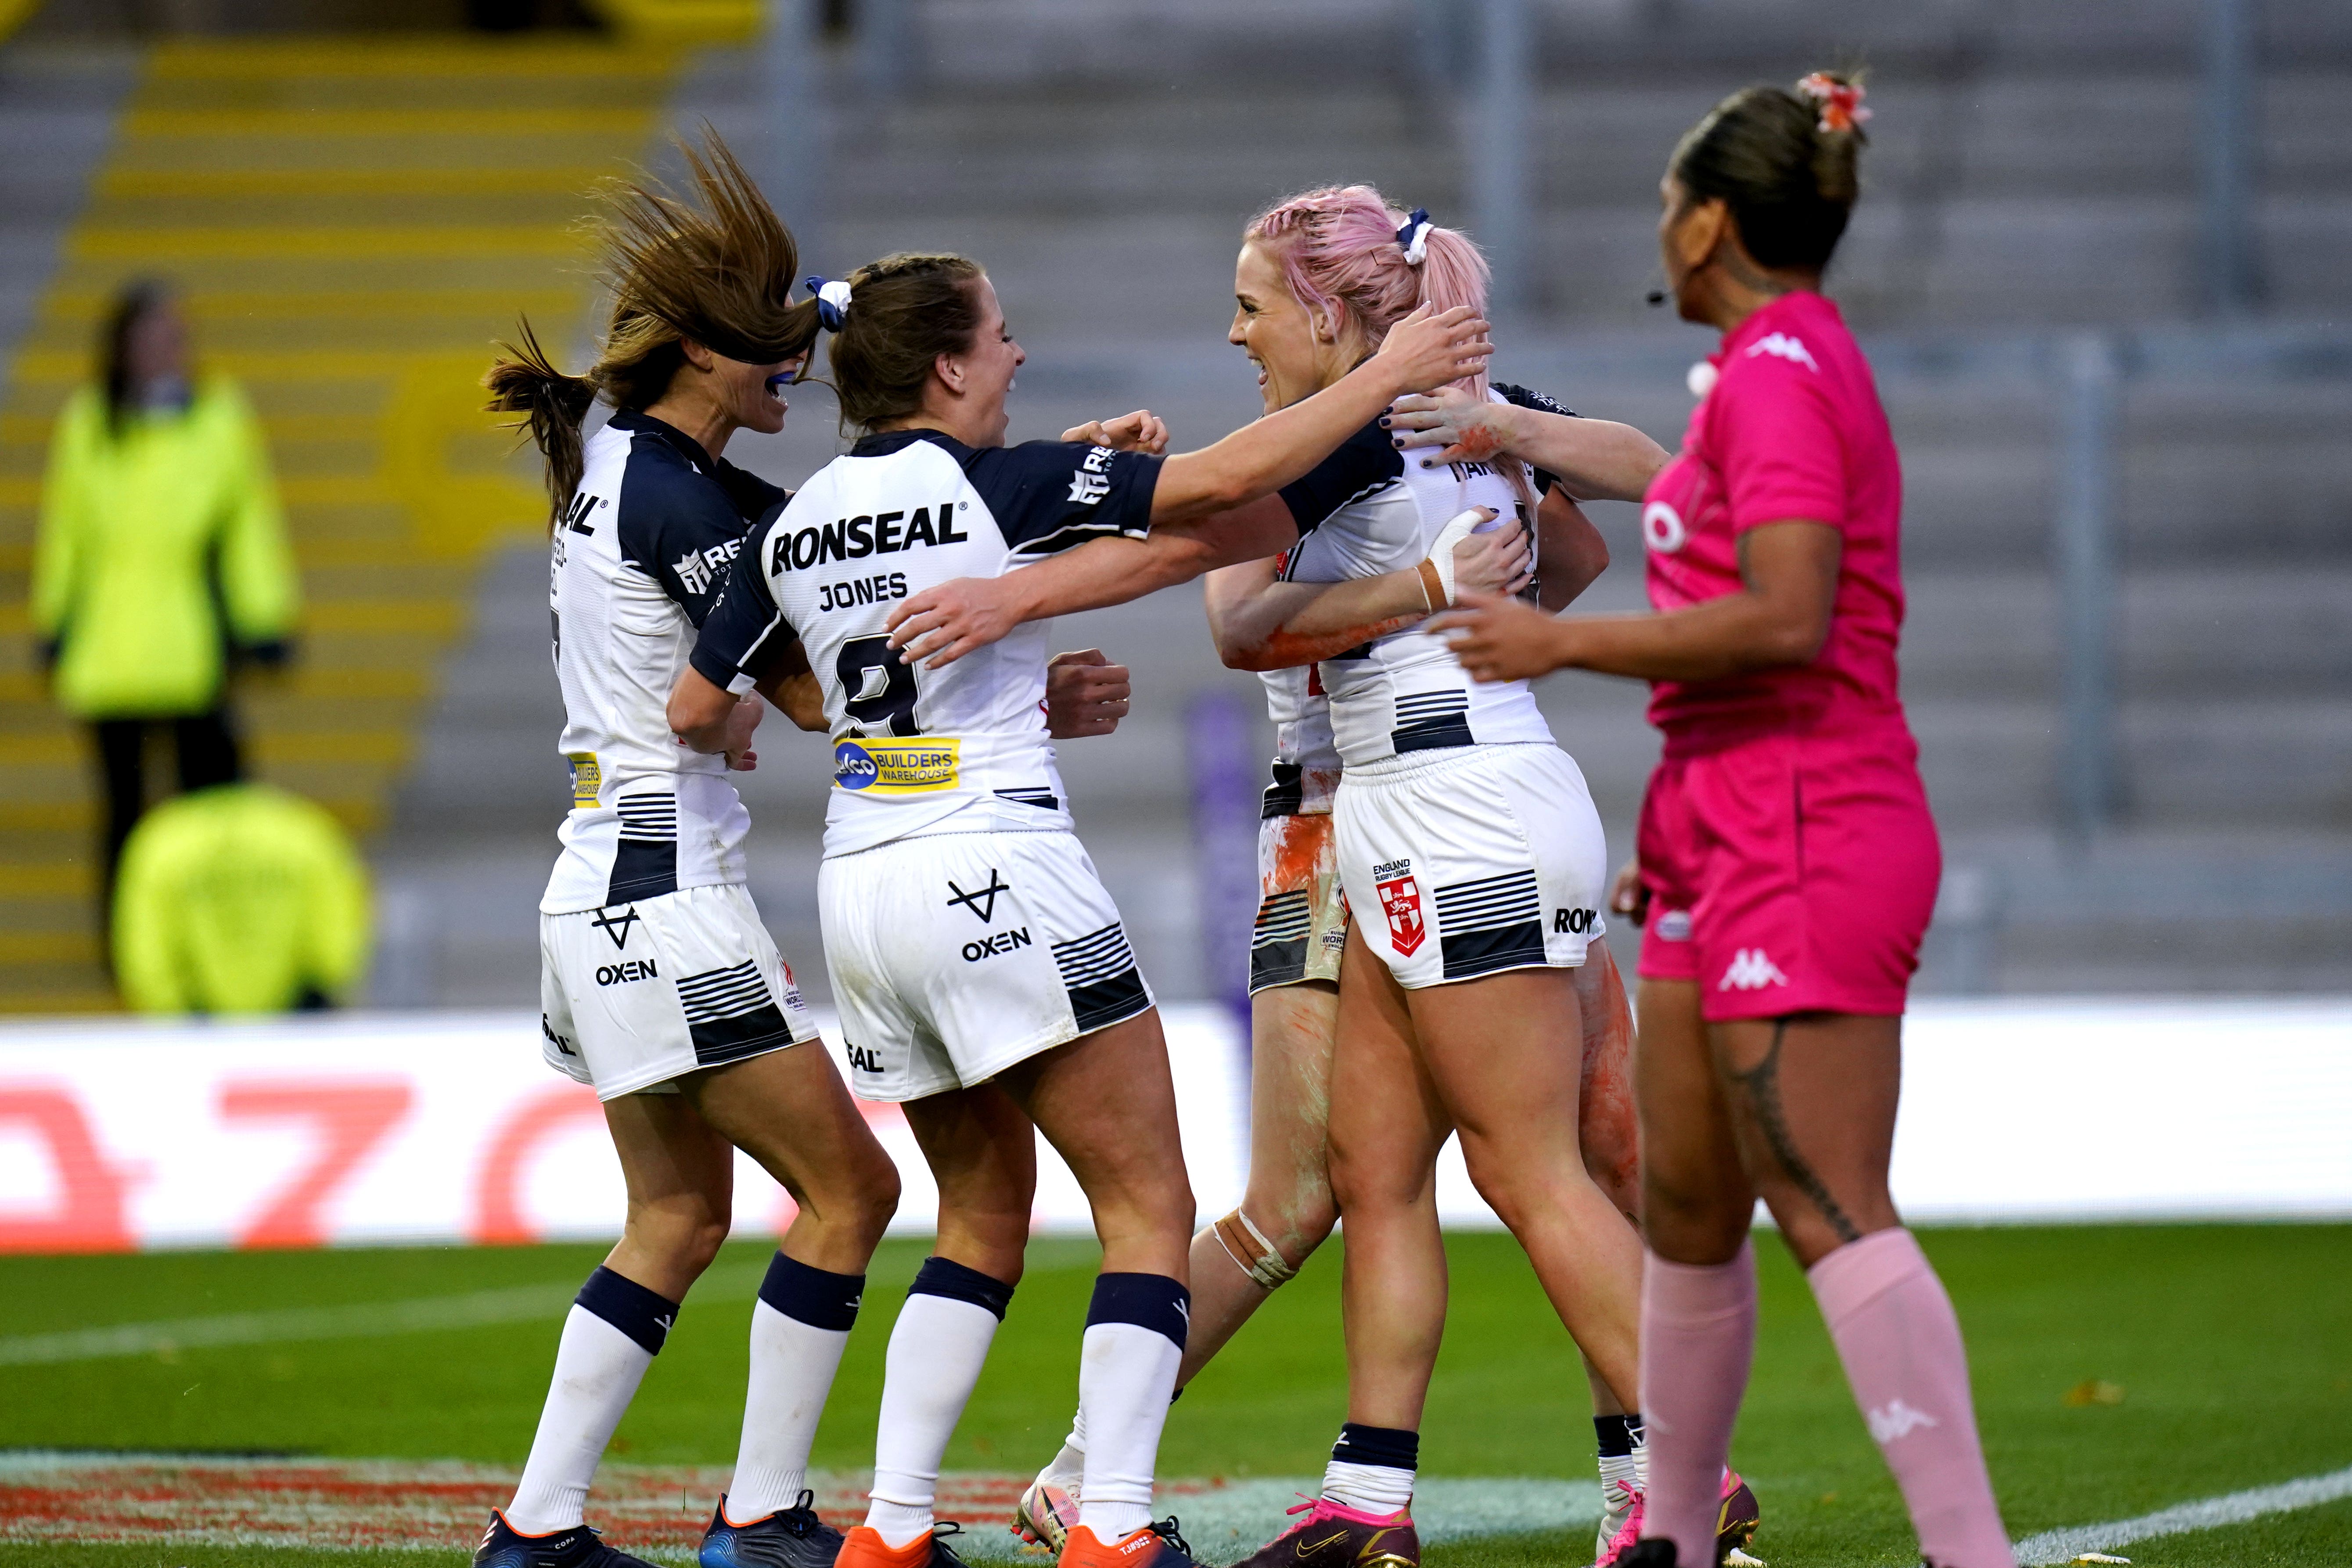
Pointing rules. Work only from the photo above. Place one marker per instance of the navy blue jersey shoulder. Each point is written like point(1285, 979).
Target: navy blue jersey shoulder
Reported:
point(1367, 463)
point(1543, 403)
point(681, 518)
point(745, 633)
point(1047, 496)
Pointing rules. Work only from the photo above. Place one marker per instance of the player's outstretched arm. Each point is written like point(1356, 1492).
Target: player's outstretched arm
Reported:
point(1425, 349)
point(940, 625)
point(1780, 616)
point(1260, 622)
point(1597, 460)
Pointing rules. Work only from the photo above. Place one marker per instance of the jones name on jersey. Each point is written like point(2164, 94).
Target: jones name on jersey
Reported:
point(636, 561)
point(961, 749)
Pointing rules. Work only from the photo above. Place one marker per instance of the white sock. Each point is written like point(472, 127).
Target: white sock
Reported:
point(609, 1339)
point(1371, 1468)
point(937, 1349)
point(800, 1325)
point(1126, 1374)
point(1068, 1467)
point(1625, 1467)
point(1368, 1488)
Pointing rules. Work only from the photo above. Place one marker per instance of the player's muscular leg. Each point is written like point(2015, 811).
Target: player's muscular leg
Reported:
point(1289, 1196)
point(1387, 1127)
point(982, 1150)
point(1811, 1100)
point(790, 1110)
point(1608, 1127)
point(1494, 1047)
point(680, 1174)
point(1108, 1105)
point(1695, 1200)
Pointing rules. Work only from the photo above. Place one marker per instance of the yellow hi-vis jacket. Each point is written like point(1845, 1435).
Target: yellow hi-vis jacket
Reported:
point(148, 539)
point(238, 899)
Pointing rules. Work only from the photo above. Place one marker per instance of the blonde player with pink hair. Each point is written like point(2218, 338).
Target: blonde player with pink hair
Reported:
point(1455, 826)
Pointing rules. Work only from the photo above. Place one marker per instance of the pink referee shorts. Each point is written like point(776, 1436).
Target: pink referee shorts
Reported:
point(1788, 872)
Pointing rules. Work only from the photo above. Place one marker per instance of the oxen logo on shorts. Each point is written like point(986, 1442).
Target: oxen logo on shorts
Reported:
point(1400, 897)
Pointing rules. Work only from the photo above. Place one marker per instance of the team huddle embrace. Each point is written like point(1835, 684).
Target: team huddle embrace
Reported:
point(1389, 546)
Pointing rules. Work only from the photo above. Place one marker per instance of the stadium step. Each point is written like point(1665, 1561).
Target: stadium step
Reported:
point(352, 223)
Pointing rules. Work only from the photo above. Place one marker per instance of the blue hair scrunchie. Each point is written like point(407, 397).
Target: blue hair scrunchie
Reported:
point(1412, 238)
point(831, 301)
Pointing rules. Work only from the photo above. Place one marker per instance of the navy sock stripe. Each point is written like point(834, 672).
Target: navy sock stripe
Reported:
point(1615, 1435)
point(1151, 1301)
point(1389, 1446)
point(629, 1307)
point(945, 1277)
point(814, 1296)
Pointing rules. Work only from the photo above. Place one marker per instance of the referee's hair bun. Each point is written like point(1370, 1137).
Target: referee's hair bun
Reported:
point(1786, 163)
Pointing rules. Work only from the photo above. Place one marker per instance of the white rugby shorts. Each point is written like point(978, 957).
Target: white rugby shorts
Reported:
point(954, 955)
point(1472, 859)
point(636, 994)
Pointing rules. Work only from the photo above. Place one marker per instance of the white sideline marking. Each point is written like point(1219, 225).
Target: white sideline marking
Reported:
point(514, 1304)
point(2055, 1546)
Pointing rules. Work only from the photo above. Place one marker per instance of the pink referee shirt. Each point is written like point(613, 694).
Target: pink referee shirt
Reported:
point(1791, 429)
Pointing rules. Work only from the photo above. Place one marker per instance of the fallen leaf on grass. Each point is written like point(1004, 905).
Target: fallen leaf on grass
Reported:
point(2095, 1390)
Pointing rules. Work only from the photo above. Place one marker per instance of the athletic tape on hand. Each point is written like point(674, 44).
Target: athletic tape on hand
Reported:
point(1458, 527)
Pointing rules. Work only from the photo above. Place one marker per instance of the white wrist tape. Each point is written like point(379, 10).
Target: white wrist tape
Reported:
point(1459, 527)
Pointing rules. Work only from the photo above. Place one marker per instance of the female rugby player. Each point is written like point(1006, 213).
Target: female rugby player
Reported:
point(1256, 620)
point(660, 986)
point(982, 973)
point(1787, 863)
point(1330, 271)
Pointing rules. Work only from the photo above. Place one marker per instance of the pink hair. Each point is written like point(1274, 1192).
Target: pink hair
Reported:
point(1338, 251)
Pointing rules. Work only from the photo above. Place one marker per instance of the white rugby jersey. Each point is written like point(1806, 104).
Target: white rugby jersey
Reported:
point(959, 749)
point(637, 560)
point(1365, 511)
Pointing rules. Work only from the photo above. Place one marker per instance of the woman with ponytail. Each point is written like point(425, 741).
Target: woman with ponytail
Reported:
point(1787, 860)
point(660, 987)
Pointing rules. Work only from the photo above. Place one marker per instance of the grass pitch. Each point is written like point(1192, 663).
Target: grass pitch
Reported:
point(2118, 1370)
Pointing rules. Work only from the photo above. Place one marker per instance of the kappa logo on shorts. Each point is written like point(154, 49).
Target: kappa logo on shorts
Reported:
point(985, 912)
point(1751, 971)
point(1400, 897)
point(616, 927)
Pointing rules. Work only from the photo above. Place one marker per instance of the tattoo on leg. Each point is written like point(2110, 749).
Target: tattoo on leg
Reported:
point(1762, 1083)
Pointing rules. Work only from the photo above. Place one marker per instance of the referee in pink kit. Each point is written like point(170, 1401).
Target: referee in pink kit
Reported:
point(1787, 861)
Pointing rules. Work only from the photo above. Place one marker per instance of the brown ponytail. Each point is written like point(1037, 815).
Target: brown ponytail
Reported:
point(717, 271)
point(552, 405)
point(1773, 157)
point(905, 311)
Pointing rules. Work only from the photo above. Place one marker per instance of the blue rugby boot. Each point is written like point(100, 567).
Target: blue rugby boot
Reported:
point(504, 1546)
point(790, 1536)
